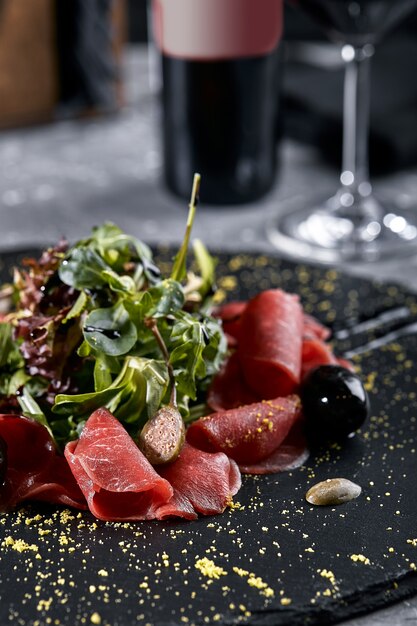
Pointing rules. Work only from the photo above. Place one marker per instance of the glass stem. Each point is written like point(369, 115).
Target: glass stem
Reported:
point(355, 172)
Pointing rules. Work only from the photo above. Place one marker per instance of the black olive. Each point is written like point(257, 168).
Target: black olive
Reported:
point(3, 461)
point(335, 402)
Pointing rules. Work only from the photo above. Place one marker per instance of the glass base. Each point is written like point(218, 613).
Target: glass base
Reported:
point(347, 228)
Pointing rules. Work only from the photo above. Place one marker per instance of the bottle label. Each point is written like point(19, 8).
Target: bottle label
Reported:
point(217, 29)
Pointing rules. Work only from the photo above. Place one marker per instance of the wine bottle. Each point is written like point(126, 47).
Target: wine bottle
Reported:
point(221, 64)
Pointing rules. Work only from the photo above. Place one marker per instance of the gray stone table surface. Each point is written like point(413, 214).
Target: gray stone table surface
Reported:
point(63, 178)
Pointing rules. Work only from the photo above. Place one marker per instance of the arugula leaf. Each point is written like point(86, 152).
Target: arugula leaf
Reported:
point(116, 248)
point(146, 383)
point(216, 345)
point(103, 320)
point(102, 372)
point(133, 397)
point(30, 408)
point(139, 308)
point(121, 284)
point(167, 297)
point(188, 340)
point(82, 268)
point(83, 404)
point(110, 330)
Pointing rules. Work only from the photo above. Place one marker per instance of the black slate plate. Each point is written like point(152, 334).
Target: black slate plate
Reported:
point(273, 559)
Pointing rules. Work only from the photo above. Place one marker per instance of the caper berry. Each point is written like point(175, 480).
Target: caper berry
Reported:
point(163, 436)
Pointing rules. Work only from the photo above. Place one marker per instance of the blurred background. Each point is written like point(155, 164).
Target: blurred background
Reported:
point(61, 58)
point(81, 131)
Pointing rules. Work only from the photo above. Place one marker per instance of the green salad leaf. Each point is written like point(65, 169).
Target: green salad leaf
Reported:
point(98, 325)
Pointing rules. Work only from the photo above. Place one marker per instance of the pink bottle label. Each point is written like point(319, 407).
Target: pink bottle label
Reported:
point(217, 29)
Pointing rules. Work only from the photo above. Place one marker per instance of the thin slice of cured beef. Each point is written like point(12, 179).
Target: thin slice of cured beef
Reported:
point(270, 336)
point(203, 483)
point(314, 353)
point(292, 453)
point(247, 434)
point(313, 329)
point(268, 358)
point(35, 471)
point(230, 313)
point(228, 389)
point(117, 480)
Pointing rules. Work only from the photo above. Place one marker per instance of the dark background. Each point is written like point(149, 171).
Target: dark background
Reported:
point(297, 25)
point(312, 96)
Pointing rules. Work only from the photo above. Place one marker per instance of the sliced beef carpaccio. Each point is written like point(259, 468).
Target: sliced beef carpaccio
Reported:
point(116, 479)
point(35, 471)
point(203, 483)
point(119, 483)
point(273, 343)
point(229, 389)
point(289, 455)
point(266, 336)
point(250, 434)
point(269, 343)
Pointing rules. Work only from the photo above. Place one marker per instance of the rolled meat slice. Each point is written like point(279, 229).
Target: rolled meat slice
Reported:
point(230, 313)
point(116, 479)
point(313, 329)
point(270, 338)
point(228, 389)
point(248, 434)
point(314, 353)
point(35, 471)
point(203, 483)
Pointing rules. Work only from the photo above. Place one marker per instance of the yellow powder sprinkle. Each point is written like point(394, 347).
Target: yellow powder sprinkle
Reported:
point(285, 601)
point(19, 545)
point(209, 569)
point(360, 558)
point(235, 506)
point(65, 516)
point(413, 542)
point(328, 574)
point(30, 520)
point(103, 572)
point(44, 605)
point(240, 571)
point(227, 282)
point(95, 618)
point(255, 581)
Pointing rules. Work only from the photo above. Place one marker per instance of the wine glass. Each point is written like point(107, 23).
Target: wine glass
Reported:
point(355, 224)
